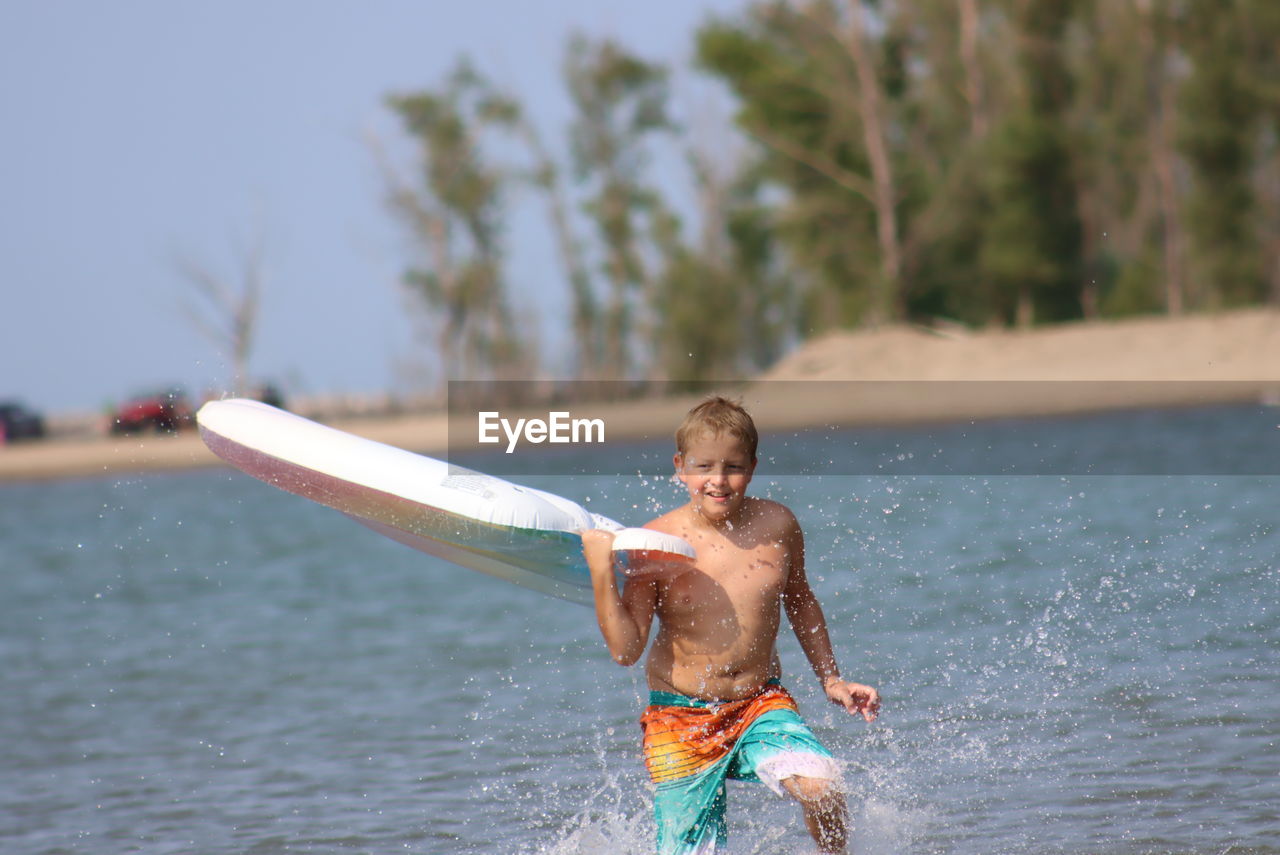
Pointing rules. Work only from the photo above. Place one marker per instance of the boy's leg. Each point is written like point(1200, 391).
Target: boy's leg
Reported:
point(691, 818)
point(781, 751)
point(825, 813)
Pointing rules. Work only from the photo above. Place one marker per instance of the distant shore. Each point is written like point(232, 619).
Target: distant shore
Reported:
point(894, 375)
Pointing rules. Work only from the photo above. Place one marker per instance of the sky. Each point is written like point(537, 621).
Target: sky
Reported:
point(139, 133)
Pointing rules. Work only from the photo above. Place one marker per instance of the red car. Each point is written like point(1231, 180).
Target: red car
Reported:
point(162, 412)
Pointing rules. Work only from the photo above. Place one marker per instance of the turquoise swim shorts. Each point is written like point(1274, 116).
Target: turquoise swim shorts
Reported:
point(692, 747)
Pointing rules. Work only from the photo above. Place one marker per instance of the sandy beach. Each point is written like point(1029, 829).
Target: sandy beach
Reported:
point(885, 376)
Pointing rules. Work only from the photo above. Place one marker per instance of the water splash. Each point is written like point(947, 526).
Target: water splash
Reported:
point(603, 833)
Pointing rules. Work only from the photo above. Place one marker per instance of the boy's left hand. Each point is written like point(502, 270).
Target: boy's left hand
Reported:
point(854, 697)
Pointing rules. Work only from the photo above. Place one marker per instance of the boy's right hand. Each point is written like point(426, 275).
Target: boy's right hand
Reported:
point(597, 548)
point(854, 697)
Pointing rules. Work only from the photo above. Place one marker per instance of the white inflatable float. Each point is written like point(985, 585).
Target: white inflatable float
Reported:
point(526, 536)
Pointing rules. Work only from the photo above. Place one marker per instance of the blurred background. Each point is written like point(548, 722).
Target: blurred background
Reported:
point(341, 207)
point(317, 203)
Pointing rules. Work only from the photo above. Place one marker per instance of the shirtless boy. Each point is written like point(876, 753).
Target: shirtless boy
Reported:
point(716, 708)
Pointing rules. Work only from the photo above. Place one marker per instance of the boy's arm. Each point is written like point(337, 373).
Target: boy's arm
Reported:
point(624, 618)
point(810, 626)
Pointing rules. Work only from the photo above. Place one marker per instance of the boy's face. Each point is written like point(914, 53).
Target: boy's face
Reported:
point(717, 469)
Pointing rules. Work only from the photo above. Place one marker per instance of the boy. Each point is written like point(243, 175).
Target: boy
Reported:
point(716, 709)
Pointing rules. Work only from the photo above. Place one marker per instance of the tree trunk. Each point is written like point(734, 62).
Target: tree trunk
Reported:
point(1174, 287)
point(1025, 313)
point(450, 329)
point(583, 324)
point(870, 106)
point(1161, 132)
point(973, 82)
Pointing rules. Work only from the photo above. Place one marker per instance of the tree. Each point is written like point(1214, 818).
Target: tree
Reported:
point(808, 89)
point(620, 102)
point(547, 177)
point(453, 211)
point(989, 161)
point(885, 199)
point(1261, 20)
point(724, 302)
point(225, 311)
point(941, 72)
point(1032, 247)
point(1155, 39)
point(1221, 117)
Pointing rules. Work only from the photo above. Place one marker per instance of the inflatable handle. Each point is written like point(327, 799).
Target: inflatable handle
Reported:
point(642, 553)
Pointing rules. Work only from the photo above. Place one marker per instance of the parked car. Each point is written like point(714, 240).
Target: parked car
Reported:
point(18, 422)
point(269, 393)
point(165, 411)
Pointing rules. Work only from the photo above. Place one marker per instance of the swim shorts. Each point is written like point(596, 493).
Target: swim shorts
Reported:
point(691, 747)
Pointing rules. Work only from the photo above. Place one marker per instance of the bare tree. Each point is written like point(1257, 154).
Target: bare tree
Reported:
point(225, 310)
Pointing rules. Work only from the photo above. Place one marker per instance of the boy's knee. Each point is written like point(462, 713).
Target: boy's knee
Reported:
point(813, 791)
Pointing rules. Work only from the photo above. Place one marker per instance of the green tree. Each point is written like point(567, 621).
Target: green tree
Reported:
point(587, 345)
point(1221, 118)
point(1031, 251)
point(621, 104)
point(1006, 161)
point(453, 211)
point(1262, 34)
point(724, 302)
point(942, 74)
point(1126, 67)
point(796, 77)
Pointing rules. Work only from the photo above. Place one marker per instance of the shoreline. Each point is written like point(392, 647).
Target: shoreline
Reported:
point(890, 376)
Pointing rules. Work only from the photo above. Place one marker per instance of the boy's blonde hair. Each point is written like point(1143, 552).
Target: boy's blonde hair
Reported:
point(718, 415)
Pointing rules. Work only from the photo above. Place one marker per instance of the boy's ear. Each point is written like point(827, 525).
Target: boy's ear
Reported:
point(678, 461)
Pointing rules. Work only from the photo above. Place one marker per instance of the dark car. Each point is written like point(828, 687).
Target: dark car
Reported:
point(269, 393)
point(166, 411)
point(18, 422)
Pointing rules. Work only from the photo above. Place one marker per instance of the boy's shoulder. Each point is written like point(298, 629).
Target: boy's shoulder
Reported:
point(668, 522)
point(771, 509)
point(775, 516)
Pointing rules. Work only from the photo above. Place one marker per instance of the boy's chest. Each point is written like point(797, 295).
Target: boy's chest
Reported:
point(741, 578)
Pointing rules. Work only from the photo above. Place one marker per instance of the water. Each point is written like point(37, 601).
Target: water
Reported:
point(197, 663)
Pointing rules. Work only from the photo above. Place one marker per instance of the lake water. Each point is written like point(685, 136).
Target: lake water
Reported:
point(197, 663)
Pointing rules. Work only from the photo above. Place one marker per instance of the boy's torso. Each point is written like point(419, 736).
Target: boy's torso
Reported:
point(717, 624)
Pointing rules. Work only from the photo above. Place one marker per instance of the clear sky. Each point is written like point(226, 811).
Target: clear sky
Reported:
point(140, 131)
